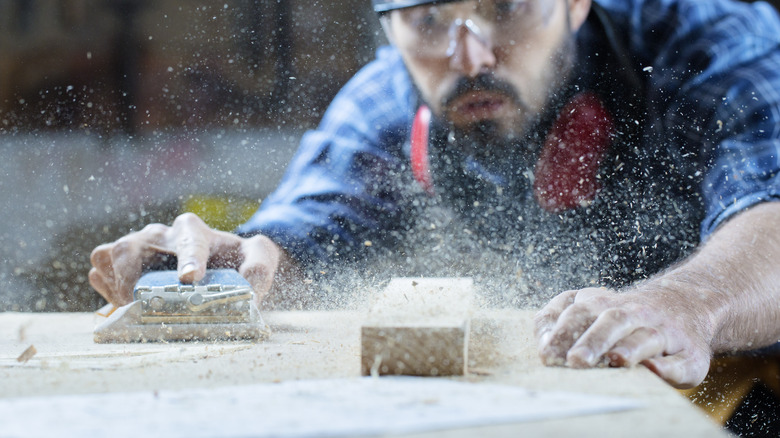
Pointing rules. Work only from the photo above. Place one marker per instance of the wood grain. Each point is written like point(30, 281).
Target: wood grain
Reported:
point(419, 327)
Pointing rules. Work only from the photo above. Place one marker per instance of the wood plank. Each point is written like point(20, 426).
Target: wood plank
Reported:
point(419, 327)
point(326, 345)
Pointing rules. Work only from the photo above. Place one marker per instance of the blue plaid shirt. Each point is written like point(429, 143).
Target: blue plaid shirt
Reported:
point(712, 78)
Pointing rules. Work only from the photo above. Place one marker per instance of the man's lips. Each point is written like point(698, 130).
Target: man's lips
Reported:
point(477, 105)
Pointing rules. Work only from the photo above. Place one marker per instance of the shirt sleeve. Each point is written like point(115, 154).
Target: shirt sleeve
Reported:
point(333, 202)
point(713, 93)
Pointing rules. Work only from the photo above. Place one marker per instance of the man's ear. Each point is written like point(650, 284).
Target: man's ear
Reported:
point(578, 12)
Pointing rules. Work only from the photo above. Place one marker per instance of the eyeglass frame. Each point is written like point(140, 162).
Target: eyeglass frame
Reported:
point(495, 30)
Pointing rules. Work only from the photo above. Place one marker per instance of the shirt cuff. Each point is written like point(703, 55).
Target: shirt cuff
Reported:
point(714, 220)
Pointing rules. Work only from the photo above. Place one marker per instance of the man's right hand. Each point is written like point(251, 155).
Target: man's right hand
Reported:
point(117, 266)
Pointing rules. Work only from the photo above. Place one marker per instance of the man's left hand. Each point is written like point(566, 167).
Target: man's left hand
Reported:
point(590, 327)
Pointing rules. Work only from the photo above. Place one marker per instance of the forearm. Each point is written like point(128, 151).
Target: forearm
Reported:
point(732, 283)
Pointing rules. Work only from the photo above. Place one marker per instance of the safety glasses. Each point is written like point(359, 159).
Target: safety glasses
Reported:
point(436, 30)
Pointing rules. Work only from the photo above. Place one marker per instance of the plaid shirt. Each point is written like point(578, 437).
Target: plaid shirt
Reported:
point(711, 75)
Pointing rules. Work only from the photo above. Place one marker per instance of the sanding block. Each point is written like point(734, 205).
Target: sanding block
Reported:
point(219, 307)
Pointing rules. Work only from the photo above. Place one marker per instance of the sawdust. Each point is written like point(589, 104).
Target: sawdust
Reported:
point(27, 354)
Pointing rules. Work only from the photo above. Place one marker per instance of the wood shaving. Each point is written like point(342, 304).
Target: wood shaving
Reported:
point(27, 354)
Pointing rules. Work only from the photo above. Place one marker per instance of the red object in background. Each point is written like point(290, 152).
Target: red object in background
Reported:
point(419, 152)
point(565, 174)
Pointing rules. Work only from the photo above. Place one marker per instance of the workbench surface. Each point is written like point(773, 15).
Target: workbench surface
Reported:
point(326, 345)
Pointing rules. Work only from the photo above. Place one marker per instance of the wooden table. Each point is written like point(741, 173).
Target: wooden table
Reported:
point(325, 345)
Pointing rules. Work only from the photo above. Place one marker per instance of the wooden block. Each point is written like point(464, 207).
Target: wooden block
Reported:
point(419, 327)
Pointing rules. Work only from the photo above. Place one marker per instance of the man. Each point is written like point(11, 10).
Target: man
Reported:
point(630, 144)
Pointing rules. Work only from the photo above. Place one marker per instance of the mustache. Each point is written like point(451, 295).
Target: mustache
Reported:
point(482, 82)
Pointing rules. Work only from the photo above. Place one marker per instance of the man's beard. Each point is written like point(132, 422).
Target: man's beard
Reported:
point(493, 139)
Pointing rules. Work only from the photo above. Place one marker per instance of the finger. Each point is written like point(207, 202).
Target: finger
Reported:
point(136, 251)
point(680, 370)
point(153, 245)
point(192, 243)
point(116, 264)
point(545, 319)
point(131, 254)
point(127, 266)
point(643, 343)
point(226, 249)
point(101, 261)
point(260, 264)
point(571, 324)
point(98, 283)
point(608, 329)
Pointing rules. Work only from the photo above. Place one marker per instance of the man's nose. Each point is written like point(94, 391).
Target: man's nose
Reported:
point(470, 50)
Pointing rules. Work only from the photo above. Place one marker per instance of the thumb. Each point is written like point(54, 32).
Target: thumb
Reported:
point(261, 260)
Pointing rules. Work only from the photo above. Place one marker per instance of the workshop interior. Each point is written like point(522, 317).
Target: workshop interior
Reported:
point(116, 114)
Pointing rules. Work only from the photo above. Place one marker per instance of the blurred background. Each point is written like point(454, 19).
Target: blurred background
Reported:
point(118, 113)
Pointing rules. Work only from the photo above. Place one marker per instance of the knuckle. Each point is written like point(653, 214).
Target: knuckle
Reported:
point(100, 254)
point(191, 247)
point(121, 248)
point(634, 307)
point(580, 311)
point(262, 241)
point(602, 301)
point(188, 239)
point(268, 251)
point(257, 239)
point(187, 219)
point(154, 229)
point(616, 315)
point(566, 298)
point(590, 293)
point(652, 332)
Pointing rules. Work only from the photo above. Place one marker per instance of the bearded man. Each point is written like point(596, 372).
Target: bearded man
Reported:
point(622, 154)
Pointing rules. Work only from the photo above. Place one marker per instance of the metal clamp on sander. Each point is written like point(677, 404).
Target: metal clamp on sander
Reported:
point(219, 307)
